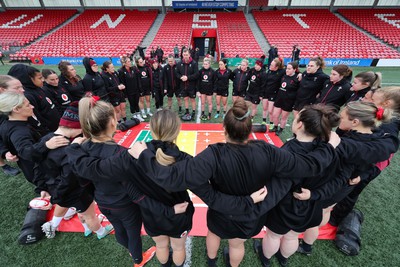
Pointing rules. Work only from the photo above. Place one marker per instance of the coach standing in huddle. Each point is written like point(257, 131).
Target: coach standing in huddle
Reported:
point(187, 71)
point(171, 82)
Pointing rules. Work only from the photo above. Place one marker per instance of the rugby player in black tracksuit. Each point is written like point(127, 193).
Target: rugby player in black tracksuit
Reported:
point(358, 152)
point(221, 86)
point(157, 84)
point(93, 82)
point(346, 205)
point(130, 77)
point(145, 87)
point(74, 86)
point(114, 195)
point(240, 80)
point(335, 94)
point(117, 96)
point(46, 115)
point(155, 221)
point(188, 70)
point(270, 91)
point(59, 95)
point(358, 95)
point(205, 86)
point(258, 79)
point(285, 98)
point(172, 83)
point(311, 85)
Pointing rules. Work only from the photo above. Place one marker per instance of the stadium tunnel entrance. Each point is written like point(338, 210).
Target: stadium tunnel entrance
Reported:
point(206, 40)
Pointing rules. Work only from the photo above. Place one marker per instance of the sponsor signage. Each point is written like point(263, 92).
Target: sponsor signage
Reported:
point(204, 4)
point(79, 60)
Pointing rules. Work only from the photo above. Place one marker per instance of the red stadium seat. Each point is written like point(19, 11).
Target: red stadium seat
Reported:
point(78, 39)
point(376, 23)
point(326, 35)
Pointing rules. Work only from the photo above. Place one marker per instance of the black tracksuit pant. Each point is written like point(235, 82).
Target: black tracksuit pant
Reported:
point(127, 224)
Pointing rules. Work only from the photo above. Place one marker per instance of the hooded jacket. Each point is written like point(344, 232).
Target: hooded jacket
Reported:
point(47, 116)
point(93, 82)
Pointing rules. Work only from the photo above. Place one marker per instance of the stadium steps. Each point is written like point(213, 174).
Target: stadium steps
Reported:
point(342, 18)
point(148, 39)
point(258, 34)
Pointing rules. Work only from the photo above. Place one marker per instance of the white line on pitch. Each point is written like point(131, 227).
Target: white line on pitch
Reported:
point(198, 111)
point(188, 261)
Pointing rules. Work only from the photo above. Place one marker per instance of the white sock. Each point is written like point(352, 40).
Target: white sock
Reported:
point(142, 110)
point(148, 110)
point(56, 221)
point(70, 212)
point(101, 231)
point(86, 227)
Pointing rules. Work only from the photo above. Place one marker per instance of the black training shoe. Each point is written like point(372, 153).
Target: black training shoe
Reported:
point(283, 262)
point(304, 251)
point(226, 257)
point(7, 169)
point(212, 262)
point(279, 131)
point(257, 246)
point(274, 129)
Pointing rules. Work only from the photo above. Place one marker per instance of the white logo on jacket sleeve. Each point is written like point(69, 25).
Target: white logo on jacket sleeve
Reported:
point(253, 77)
point(49, 100)
point(64, 97)
point(284, 84)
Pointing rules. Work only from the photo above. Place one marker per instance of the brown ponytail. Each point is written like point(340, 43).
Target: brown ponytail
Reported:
point(318, 120)
point(237, 122)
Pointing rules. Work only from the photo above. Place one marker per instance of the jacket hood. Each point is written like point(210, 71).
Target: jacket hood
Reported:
point(20, 71)
point(86, 64)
